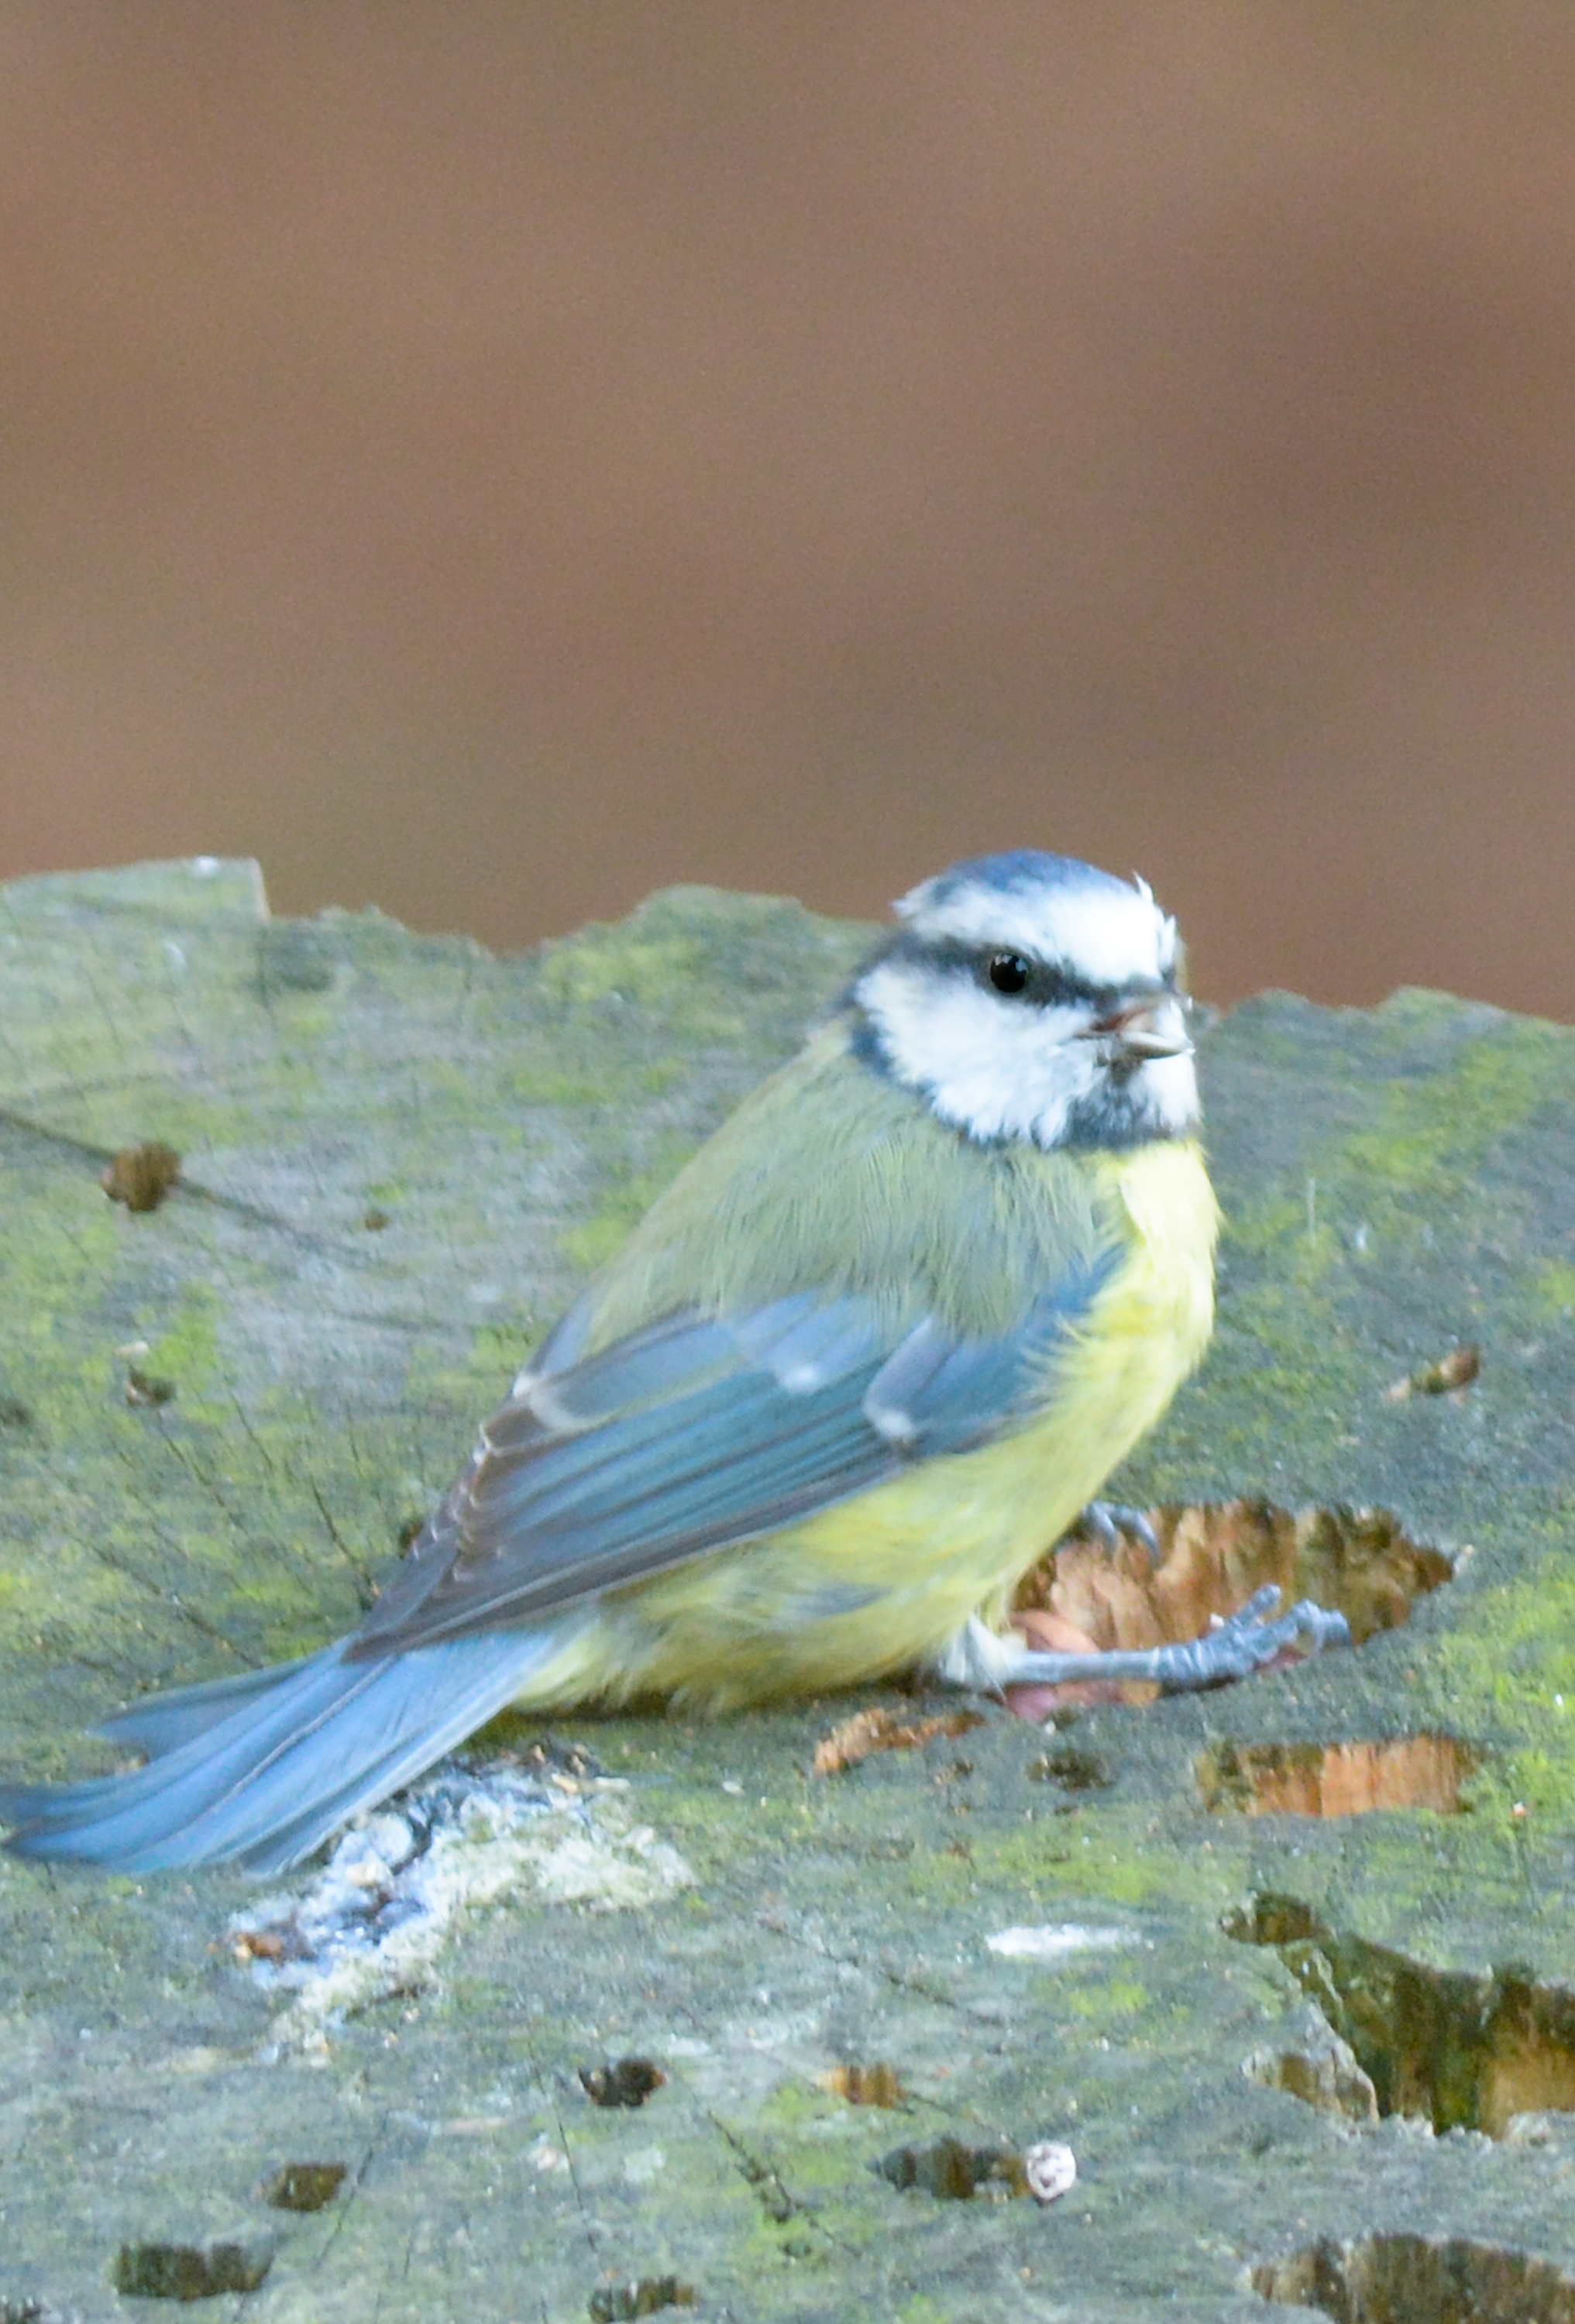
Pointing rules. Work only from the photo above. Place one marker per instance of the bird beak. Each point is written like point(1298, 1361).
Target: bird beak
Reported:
point(1141, 1031)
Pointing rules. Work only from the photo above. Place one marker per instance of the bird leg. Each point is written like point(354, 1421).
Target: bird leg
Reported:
point(983, 1661)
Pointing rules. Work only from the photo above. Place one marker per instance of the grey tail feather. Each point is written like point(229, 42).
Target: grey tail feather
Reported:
point(258, 1770)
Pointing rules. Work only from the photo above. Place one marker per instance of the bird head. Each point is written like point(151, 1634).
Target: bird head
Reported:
point(1030, 997)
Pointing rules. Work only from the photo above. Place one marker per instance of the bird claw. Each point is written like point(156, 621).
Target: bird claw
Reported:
point(1111, 1522)
point(1249, 1639)
point(1233, 1649)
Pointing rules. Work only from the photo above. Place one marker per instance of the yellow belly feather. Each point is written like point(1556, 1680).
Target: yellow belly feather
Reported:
point(884, 1580)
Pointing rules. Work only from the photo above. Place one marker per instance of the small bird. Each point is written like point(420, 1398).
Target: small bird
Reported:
point(861, 1364)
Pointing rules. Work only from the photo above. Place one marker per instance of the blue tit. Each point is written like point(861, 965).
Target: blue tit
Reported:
point(858, 1367)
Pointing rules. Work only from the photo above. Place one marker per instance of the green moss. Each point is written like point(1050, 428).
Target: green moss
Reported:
point(587, 1245)
point(1112, 1997)
point(1117, 1855)
point(939, 1877)
point(187, 1350)
point(791, 2106)
point(1553, 1289)
point(1430, 1134)
point(592, 969)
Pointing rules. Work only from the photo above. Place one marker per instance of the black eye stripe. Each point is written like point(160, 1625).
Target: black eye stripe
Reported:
point(1016, 976)
point(1044, 986)
point(1048, 985)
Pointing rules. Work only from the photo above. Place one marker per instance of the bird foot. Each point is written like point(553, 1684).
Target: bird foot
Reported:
point(1231, 1648)
point(1110, 1522)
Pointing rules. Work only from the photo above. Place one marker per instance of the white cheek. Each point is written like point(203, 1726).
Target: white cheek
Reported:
point(1001, 1070)
point(995, 1070)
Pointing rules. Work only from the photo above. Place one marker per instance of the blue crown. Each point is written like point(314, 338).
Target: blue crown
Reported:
point(1017, 871)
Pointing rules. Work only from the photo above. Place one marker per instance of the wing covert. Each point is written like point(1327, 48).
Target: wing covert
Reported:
point(700, 1432)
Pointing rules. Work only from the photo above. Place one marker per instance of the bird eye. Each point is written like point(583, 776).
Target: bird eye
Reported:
point(1009, 971)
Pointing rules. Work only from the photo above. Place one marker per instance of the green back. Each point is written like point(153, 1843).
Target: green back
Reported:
point(830, 1175)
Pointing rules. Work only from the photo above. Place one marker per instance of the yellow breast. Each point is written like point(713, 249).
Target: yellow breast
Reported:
point(884, 1580)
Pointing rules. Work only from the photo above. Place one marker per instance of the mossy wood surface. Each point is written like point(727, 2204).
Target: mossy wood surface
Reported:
point(399, 1155)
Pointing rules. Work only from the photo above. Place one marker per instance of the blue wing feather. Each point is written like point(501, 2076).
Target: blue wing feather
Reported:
point(708, 1448)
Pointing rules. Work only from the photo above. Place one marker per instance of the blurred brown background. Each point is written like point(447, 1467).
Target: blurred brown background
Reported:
point(494, 460)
